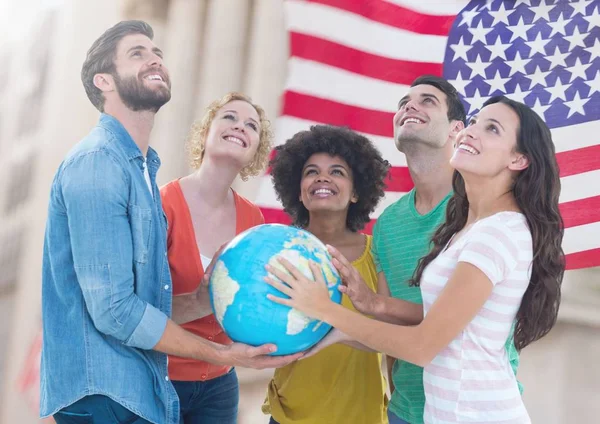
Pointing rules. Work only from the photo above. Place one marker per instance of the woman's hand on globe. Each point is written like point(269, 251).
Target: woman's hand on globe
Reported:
point(305, 295)
point(361, 296)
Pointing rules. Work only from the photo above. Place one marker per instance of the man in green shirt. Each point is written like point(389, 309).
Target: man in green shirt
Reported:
point(428, 120)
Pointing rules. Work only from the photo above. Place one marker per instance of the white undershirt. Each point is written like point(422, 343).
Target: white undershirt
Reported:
point(205, 261)
point(147, 177)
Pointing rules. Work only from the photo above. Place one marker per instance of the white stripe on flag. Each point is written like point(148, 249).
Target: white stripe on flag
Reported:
point(331, 83)
point(349, 29)
point(581, 238)
point(579, 186)
point(576, 136)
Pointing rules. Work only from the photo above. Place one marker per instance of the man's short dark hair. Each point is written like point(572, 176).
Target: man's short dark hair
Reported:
point(100, 58)
point(369, 170)
point(456, 109)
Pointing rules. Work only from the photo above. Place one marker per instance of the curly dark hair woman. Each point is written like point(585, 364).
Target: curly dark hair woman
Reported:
point(329, 180)
point(536, 190)
point(369, 170)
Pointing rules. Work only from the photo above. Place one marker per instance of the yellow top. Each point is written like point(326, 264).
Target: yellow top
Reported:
point(339, 385)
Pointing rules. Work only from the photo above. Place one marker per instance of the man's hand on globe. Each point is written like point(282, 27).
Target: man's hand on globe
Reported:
point(362, 297)
point(242, 355)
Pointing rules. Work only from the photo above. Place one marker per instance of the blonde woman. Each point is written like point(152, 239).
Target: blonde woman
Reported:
point(204, 212)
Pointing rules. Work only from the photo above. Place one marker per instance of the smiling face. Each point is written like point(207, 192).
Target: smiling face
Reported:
point(422, 117)
point(140, 79)
point(234, 133)
point(326, 184)
point(487, 146)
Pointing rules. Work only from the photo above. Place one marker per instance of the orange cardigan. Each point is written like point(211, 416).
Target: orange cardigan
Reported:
point(187, 272)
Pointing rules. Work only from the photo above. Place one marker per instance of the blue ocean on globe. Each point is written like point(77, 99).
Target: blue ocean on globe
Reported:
point(238, 292)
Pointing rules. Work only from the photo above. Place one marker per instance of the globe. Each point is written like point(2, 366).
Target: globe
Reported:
point(238, 291)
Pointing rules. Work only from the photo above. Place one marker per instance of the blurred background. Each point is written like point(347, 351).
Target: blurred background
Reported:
point(215, 46)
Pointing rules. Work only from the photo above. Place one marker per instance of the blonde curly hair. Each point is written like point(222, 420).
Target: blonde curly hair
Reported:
point(196, 140)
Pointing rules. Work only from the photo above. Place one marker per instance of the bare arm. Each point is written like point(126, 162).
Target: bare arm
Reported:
point(378, 305)
point(466, 292)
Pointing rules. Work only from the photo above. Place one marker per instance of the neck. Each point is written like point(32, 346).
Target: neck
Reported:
point(329, 227)
point(431, 173)
point(138, 124)
point(212, 182)
point(488, 196)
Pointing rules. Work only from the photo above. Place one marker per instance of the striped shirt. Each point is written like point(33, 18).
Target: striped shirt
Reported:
point(471, 380)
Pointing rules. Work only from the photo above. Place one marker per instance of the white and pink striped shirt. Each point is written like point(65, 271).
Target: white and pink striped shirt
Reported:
point(471, 380)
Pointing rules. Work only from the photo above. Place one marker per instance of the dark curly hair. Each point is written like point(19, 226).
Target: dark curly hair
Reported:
point(369, 170)
point(536, 190)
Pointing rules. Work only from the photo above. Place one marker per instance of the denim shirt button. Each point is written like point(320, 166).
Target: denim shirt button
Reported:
point(167, 378)
point(166, 287)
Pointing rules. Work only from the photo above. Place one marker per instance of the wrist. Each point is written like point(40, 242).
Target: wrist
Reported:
point(377, 306)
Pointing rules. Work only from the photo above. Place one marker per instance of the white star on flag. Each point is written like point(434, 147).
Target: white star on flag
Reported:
point(500, 15)
point(538, 77)
point(539, 108)
point(537, 45)
point(578, 70)
point(498, 49)
point(594, 84)
point(460, 50)
point(479, 33)
point(478, 67)
point(558, 26)
point(497, 83)
point(558, 58)
point(557, 91)
point(542, 11)
point(517, 64)
point(576, 105)
point(575, 39)
point(519, 30)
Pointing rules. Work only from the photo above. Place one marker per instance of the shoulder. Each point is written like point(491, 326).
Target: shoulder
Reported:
point(249, 208)
point(169, 191)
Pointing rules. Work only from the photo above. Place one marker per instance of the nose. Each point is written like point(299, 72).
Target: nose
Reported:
point(155, 60)
point(238, 125)
point(409, 105)
point(322, 177)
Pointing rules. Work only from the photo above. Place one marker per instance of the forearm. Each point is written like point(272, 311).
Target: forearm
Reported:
point(357, 345)
point(186, 309)
point(403, 342)
point(397, 311)
point(179, 342)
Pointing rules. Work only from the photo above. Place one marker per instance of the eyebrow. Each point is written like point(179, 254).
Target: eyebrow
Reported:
point(423, 95)
point(489, 119)
point(155, 50)
point(335, 165)
point(234, 111)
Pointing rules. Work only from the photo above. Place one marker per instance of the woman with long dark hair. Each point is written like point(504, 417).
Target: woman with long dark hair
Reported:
point(497, 260)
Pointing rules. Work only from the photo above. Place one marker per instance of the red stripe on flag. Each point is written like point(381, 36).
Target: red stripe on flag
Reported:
point(370, 65)
point(394, 15)
point(275, 216)
point(585, 259)
point(329, 112)
point(580, 160)
point(399, 180)
point(580, 212)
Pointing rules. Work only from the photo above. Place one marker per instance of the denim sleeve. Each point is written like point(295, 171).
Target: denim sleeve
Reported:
point(95, 194)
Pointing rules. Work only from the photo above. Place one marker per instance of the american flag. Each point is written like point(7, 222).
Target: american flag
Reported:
point(351, 61)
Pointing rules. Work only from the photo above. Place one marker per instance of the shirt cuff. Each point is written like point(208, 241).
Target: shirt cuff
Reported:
point(150, 329)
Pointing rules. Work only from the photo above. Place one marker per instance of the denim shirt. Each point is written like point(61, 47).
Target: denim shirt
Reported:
point(106, 285)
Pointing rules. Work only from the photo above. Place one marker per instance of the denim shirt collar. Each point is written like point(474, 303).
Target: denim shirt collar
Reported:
point(132, 151)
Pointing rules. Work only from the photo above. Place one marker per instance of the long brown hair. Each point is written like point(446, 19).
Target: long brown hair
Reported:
point(536, 191)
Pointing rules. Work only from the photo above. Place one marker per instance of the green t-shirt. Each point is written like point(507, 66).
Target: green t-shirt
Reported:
point(401, 237)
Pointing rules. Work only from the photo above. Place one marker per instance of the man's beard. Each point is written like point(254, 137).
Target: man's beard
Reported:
point(137, 97)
